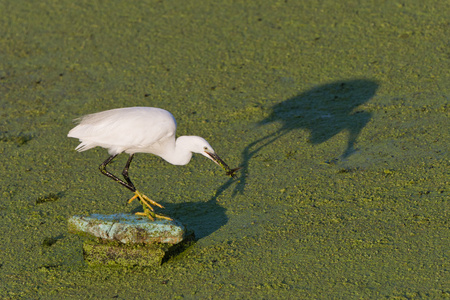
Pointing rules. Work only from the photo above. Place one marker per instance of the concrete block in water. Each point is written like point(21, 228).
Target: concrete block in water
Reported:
point(128, 240)
point(128, 228)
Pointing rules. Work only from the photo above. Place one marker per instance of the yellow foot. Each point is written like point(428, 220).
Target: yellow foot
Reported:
point(146, 201)
point(151, 215)
point(146, 205)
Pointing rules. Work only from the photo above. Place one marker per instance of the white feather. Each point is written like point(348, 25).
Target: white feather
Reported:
point(138, 130)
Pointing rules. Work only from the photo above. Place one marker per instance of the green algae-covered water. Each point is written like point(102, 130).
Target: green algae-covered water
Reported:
point(337, 112)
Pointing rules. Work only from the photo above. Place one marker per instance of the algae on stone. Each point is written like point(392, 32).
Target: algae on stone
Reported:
point(127, 240)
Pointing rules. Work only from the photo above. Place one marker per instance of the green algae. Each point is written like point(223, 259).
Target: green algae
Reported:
point(306, 218)
point(115, 254)
point(103, 253)
point(48, 198)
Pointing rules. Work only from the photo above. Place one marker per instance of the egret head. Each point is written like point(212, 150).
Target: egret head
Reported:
point(199, 145)
point(195, 144)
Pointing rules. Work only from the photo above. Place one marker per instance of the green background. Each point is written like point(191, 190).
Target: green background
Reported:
point(338, 112)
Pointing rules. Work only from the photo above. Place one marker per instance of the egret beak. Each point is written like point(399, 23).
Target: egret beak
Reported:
point(215, 158)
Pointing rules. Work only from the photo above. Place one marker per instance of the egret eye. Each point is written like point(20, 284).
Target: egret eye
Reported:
point(205, 148)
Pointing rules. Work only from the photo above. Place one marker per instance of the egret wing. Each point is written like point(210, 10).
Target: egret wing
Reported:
point(126, 128)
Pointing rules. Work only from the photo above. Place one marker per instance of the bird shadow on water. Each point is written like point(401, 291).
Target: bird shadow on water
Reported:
point(201, 217)
point(324, 111)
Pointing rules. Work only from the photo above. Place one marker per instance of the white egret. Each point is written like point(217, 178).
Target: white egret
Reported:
point(140, 130)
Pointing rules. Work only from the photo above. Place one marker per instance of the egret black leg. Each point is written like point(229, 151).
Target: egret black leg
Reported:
point(125, 171)
point(145, 201)
point(127, 184)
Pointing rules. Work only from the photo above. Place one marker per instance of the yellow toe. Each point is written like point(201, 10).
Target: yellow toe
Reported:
point(147, 205)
